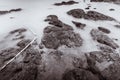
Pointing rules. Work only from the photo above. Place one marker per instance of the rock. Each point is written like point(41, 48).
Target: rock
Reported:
point(79, 25)
point(56, 54)
point(24, 70)
point(102, 38)
point(57, 37)
point(3, 12)
point(51, 18)
point(15, 10)
point(66, 3)
point(77, 13)
point(93, 68)
point(90, 15)
point(79, 74)
point(88, 7)
point(23, 43)
point(93, 15)
point(20, 30)
point(60, 34)
point(117, 26)
point(99, 63)
point(105, 30)
point(32, 56)
point(7, 54)
point(112, 72)
point(106, 49)
point(112, 9)
point(9, 11)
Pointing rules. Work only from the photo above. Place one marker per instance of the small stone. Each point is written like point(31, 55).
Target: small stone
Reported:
point(105, 30)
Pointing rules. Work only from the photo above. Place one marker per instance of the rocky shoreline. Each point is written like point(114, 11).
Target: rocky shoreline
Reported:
point(58, 55)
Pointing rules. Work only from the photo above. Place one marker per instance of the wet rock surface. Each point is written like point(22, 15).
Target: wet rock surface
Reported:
point(66, 3)
point(35, 64)
point(90, 15)
point(102, 38)
point(60, 34)
point(59, 56)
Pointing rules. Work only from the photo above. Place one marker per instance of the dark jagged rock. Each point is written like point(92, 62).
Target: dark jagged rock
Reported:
point(53, 20)
point(15, 10)
point(88, 7)
point(102, 38)
point(77, 13)
point(66, 3)
point(60, 34)
point(79, 25)
point(9, 11)
point(90, 15)
point(79, 74)
point(105, 30)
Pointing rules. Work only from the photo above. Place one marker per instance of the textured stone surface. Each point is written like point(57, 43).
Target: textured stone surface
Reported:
point(102, 38)
point(60, 34)
point(90, 15)
point(27, 69)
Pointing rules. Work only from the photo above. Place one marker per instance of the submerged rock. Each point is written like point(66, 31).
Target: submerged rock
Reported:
point(102, 38)
point(20, 30)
